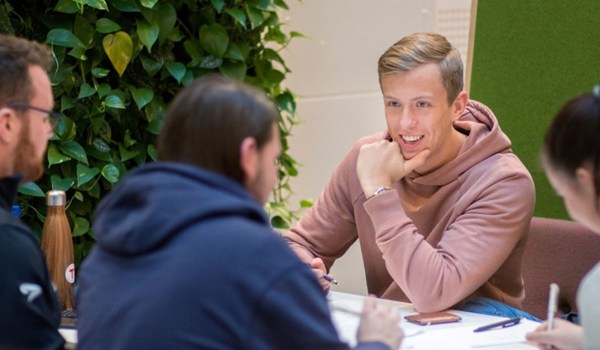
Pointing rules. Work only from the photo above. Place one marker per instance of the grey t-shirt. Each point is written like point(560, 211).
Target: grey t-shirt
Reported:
point(588, 300)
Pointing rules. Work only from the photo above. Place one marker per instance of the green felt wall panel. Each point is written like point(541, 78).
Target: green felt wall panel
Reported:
point(529, 58)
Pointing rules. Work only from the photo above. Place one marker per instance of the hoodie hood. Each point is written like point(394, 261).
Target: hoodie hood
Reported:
point(485, 139)
point(160, 200)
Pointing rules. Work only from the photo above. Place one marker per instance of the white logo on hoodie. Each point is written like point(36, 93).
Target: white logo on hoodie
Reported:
point(31, 290)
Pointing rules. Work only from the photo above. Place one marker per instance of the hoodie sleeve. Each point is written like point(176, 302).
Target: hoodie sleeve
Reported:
point(473, 247)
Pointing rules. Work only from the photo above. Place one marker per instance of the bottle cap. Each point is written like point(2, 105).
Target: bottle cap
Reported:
point(55, 198)
point(16, 210)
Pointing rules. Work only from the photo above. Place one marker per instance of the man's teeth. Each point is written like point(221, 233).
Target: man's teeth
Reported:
point(411, 138)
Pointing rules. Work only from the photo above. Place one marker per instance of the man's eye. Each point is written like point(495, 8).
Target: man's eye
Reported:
point(422, 104)
point(393, 104)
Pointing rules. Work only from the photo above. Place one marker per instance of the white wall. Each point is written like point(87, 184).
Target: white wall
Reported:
point(334, 72)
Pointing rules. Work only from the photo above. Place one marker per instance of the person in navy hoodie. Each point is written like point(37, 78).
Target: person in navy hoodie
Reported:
point(29, 307)
point(185, 255)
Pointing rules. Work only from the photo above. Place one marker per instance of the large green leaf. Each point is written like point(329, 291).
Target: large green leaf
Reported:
point(148, 3)
point(63, 37)
point(151, 65)
point(238, 15)
point(111, 173)
point(74, 150)
point(147, 32)
point(97, 4)
point(256, 17)
point(85, 174)
point(119, 49)
point(31, 189)
point(85, 90)
point(234, 70)
point(166, 20)
point(66, 6)
point(127, 154)
point(81, 226)
point(218, 5)
point(105, 26)
point(114, 101)
point(141, 96)
point(235, 53)
point(55, 156)
point(125, 5)
point(59, 183)
point(214, 39)
point(177, 70)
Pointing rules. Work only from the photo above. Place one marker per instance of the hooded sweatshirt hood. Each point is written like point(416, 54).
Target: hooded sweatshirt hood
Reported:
point(136, 217)
point(485, 139)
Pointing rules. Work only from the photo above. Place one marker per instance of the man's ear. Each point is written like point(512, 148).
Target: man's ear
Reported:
point(8, 128)
point(585, 177)
point(249, 159)
point(460, 104)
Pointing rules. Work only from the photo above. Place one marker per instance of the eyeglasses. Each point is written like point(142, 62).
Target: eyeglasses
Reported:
point(53, 117)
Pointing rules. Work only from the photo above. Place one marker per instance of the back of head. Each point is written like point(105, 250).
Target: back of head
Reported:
point(208, 120)
point(16, 55)
point(423, 48)
point(572, 138)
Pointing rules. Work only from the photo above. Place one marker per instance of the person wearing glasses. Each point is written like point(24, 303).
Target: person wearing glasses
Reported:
point(571, 159)
point(30, 314)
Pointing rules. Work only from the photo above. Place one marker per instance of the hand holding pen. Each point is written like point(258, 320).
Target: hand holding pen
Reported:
point(320, 271)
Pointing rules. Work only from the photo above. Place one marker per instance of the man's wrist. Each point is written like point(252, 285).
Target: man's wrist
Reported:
point(379, 190)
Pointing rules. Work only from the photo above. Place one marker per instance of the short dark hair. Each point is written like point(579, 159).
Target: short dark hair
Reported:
point(16, 56)
point(572, 138)
point(208, 120)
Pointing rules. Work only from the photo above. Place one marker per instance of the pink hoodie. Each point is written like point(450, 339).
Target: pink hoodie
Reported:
point(437, 239)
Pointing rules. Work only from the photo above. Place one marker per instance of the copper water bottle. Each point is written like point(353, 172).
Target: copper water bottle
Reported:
point(57, 245)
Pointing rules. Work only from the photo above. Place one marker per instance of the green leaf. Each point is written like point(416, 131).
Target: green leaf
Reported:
point(278, 222)
point(194, 49)
point(97, 4)
point(211, 62)
point(166, 20)
point(114, 101)
point(111, 173)
point(54, 155)
point(100, 72)
point(151, 65)
point(105, 26)
point(31, 189)
point(127, 154)
point(59, 183)
point(103, 90)
point(177, 70)
point(74, 150)
point(286, 102)
point(66, 6)
point(234, 70)
point(281, 4)
point(214, 39)
point(238, 15)
point(63, 37)
point(152, 153)
point(234, 52)
point(80, 226)
point(79, 196)
point(141, 96)
point(147, 32)
point(85, 174)
point(256, 17)
point(100, 145)
point(148, 3)
point(265, 5)
point(85, 90)
point(125, 5)
point(119, 49)
point(218, 5)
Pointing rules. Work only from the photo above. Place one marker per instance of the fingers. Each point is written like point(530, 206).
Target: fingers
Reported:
point(416, 161)
point(380, 322)
point(318, 267)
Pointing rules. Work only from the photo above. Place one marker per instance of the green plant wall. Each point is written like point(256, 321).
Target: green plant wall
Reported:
point(118, 63)
point(529, 58)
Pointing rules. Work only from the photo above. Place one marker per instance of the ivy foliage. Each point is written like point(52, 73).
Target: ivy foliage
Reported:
point(117, 65)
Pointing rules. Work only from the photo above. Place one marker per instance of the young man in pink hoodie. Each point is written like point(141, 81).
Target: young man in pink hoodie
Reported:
point(440, 204)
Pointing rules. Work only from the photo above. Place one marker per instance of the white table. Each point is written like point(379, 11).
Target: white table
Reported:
point(451, 336)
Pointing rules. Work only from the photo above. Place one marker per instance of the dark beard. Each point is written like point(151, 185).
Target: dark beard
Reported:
point(26, 164)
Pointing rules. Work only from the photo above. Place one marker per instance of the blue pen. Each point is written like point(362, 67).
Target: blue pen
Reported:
point(330, 279)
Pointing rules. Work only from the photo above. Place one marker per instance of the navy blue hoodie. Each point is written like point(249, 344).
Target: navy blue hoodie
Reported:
point(186, 259)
